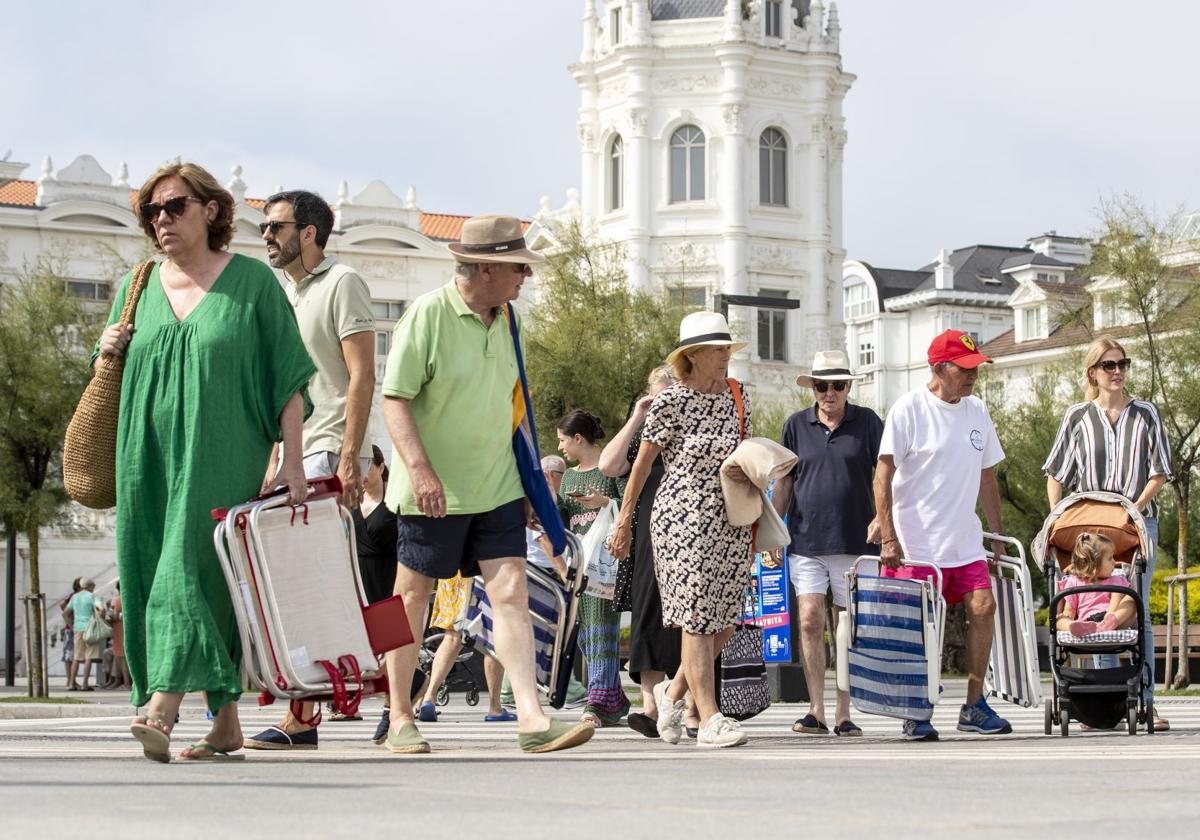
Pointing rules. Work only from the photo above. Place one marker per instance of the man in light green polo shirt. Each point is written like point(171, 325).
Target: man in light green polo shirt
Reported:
point(333, 310)
point(448, 405)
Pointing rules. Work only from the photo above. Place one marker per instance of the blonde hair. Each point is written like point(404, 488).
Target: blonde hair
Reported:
point(1091, 550)
point(662, 373)
point(1095, 353)
point(205, 187)
point(681, 363)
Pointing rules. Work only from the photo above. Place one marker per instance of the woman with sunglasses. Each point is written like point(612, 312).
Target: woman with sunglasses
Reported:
point(215, 374)
point(1114, 443)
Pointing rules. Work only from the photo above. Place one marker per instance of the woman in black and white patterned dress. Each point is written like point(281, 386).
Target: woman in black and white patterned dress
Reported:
point(702, 561)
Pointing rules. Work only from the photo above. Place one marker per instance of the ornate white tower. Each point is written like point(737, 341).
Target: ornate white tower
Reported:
point(712, 136)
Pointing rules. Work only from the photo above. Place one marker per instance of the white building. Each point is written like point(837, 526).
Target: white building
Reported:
point(891, 315)
point(712, 137)
point(81, 218)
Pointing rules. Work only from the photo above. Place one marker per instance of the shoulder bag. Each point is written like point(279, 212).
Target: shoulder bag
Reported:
point(90, 447)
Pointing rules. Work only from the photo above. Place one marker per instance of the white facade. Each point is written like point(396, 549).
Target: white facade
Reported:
point(81, 218)
point(712, 137)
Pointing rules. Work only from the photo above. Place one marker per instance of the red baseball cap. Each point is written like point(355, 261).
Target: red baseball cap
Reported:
point(958, 347)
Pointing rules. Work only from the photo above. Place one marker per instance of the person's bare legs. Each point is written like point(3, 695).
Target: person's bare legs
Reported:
point(163, 706)
point(87, 672)
point(225, 734)
point(980, 607)
point(646, 681)
point(697, 671)
point(72, 669)
point(126, 680)
point(512, 636)
point(812, 652)
point(443, 662)
point(402, 662)
point(493, 675)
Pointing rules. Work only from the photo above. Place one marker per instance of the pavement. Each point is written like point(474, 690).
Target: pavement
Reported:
point(477, 783)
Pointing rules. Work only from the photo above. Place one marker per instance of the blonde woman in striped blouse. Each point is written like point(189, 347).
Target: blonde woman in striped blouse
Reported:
point(1114, 443)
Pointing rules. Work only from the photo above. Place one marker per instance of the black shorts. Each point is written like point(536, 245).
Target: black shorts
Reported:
point(439, 548)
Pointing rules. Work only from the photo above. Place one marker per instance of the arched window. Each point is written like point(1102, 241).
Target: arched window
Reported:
point(772, 168)
point(687, 164)
point(616, 174)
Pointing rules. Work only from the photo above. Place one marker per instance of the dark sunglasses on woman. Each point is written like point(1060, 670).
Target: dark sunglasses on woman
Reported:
point(1110, 365)
point(174, 207)
point(822, 387)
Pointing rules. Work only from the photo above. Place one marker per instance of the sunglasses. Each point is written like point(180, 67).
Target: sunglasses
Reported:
point(822, 387)
point(274, 227)
point(1111, 366)
point(173, 206)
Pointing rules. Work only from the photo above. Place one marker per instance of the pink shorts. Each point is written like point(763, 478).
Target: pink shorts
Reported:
point(956, 581)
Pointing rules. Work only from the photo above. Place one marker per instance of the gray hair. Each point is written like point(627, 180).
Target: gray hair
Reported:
point(466, 270)
point(553, 463)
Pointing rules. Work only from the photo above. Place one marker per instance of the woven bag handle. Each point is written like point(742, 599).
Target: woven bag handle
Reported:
point(141, 274)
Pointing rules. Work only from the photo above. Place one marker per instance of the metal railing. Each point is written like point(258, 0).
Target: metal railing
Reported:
point(1168, 670)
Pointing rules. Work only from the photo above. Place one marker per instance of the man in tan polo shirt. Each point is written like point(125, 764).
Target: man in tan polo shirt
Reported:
point(333, 309)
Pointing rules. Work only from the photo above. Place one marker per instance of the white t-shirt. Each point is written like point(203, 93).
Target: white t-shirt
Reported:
point(536, 555)
point(939, 449)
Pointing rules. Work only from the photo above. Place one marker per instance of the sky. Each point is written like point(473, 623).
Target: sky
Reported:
point(970, 121)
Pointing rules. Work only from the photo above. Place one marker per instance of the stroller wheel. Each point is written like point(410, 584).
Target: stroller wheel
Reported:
point(443, 695)
point(1064, 723)
point(473, 697)
point(1131, 719)
point(1049, 716)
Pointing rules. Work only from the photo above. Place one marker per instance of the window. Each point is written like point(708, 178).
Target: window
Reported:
point(690, 298)
point(88, 289)
point(616, 174)
point(773, 20)
point(857, 302)
point(687, 164)
point(1046, 277)
point(615, 26)
point(1031, 320)
point(772, 329)
point(772, 167)
point(866, 346)
point(387, 313)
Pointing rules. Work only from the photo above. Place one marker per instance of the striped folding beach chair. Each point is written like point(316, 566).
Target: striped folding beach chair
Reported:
point(553, 607)
point(890, 645)
point(1013, 668)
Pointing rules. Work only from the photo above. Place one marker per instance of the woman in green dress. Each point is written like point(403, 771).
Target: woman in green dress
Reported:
point(215, 373)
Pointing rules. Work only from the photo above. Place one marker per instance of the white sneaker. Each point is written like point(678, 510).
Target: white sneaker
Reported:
point(720, 731)
point(670, 714)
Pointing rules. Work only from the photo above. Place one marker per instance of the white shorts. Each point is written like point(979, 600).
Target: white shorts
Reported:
point(818, 575)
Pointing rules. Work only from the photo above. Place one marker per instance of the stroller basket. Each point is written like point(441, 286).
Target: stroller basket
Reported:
point(889, 648)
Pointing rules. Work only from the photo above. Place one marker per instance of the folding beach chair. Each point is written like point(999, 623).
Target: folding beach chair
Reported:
point(890, 644)
point(307, 632)
point(553, 607)
point(1013, 668)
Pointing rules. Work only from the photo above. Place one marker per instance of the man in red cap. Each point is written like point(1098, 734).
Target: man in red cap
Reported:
point(936, 458)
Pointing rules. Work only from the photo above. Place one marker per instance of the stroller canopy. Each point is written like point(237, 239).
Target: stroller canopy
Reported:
point(1109, 514)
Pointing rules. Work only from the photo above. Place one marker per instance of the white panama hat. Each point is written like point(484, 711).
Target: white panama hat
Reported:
point(703, 329)
point(828, 366)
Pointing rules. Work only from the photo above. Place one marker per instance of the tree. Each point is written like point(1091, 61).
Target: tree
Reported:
point(1157, 290)
point(45, 336)
point(591, 340)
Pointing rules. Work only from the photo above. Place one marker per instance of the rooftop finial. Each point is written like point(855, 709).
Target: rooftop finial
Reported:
point(834, 28)
point(343, 193)
point(47, 168)
point(123, 174)
point(410, 198)
point(236, 185)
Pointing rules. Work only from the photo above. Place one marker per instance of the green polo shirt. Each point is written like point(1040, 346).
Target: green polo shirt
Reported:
point(459, 376)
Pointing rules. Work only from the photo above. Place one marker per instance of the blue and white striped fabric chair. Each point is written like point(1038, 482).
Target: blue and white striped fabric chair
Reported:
point(890, 645)
point(1013, 673)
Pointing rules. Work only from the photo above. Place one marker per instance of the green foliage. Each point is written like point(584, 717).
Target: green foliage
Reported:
point(1158, 596)
point(591, 340)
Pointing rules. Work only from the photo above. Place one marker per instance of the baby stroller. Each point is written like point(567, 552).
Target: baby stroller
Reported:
point(462, 676)
point(1099, 697)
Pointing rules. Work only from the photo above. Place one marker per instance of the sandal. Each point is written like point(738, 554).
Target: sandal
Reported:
point(847, 729)
point(809, 725)
point(215, 753)
point(591, 719)
point(155, 738)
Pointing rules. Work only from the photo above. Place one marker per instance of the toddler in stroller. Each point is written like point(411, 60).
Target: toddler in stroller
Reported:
point(1091, 611)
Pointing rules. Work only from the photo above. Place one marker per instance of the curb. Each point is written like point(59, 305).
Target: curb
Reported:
point(50, 711)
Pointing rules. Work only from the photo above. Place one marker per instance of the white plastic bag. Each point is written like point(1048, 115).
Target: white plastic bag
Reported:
point(601, 566)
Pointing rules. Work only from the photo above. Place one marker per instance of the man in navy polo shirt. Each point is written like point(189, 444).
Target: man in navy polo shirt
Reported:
point(830, 508)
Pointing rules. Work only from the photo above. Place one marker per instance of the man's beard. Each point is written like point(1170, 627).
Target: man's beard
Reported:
point(288, 252)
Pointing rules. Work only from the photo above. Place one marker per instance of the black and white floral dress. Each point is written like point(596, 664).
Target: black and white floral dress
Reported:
point(702, 561)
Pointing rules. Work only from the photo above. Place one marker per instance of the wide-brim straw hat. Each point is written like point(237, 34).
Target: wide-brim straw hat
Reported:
point(703, 329)
point(828, 366)
point(493, 238)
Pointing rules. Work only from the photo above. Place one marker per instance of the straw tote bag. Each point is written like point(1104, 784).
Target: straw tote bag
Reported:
point(90, 447)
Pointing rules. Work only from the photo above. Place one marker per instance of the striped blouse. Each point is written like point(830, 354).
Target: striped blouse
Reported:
point(1090, 453)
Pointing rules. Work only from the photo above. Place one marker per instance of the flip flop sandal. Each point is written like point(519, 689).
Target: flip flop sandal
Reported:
point(847, 729)
point(809, 725)
point(591, 719)
point(216, 754)
point(156, 744)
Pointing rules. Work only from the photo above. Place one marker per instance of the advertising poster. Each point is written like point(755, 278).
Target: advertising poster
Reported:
point(769, 606)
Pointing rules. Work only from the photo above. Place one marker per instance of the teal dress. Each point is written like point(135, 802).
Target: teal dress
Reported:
point(200, 406)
